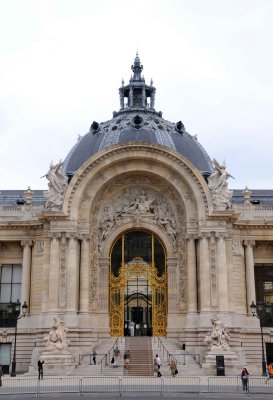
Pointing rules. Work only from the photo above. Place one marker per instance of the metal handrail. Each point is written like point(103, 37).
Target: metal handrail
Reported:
point(90, 355)
point(107, 356)
point(109, 352)
point(184, 355)
point(169, 355)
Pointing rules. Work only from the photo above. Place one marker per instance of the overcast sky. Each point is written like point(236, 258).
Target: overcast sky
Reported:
point(62, 61)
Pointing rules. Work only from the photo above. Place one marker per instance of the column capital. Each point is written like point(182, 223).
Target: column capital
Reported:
point(249, 243)
point(73, 235)
point(191, 236)
point(221, 235)
point(27, 243)
point(84, 237)
point(54, 235)
point(204, 235)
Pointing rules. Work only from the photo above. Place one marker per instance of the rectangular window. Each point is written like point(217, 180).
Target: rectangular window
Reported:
point(11, 281)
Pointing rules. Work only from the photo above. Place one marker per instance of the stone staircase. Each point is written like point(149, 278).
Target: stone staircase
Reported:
point(141, 362)
point(187, 364)
point(100, 369)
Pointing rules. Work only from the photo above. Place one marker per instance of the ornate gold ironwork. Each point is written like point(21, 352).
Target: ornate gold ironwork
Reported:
point(138, 267)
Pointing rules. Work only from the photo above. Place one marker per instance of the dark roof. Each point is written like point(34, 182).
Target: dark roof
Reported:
point(137, 120)
point(258, 196)
point(8, 197)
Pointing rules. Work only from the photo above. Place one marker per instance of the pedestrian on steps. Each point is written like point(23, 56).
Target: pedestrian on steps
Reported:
point(155, 368)
point(126, 357)
point(94, 355)
point(158, 365)
point(116, 354)
point(173, 367)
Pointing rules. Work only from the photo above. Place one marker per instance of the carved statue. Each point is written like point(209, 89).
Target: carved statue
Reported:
point(219, 336)
point(169, 226)
point(217, 183)
point(56, 339)
point(105, 228)
point(56, 187)
point(141, 204)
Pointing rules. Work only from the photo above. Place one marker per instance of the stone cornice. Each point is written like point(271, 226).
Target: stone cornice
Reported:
point(16, 225)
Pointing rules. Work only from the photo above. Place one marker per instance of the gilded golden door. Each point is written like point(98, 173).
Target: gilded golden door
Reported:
point(138, 270)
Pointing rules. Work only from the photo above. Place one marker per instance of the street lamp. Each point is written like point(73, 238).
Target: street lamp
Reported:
point(14, 312)
point(262, 311)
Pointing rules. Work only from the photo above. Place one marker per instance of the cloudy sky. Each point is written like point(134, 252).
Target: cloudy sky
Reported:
point(62, 61)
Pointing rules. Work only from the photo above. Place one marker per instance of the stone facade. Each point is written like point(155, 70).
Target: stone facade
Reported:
point(212, 243)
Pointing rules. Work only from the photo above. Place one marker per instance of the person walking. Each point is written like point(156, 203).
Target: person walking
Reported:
point(40, 369)
point(94, 355)
point(270, 372)
point(1, 374)
point(155, 368)
point(116, 353)
point(244, 378)
point(173, 367)
point(126, 357)
point(158, 365)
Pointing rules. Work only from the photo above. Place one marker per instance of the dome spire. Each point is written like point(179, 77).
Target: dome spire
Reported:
point(137, 69)
point(137, 95)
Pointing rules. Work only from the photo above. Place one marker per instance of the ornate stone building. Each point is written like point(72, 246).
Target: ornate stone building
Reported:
point(138, 224)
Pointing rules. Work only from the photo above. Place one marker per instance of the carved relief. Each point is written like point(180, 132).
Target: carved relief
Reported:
point(62, 278)
point(136, 199)
point(136, 202)
point(236, 247)
point(213, 272)
point(40, 247)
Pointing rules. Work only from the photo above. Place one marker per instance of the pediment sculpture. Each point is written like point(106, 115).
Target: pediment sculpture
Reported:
point(218, 338)
point(57, 186)
point(218, 186)
point(139, 204)
point(56, 339)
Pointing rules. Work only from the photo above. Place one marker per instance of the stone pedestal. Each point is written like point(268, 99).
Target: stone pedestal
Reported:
point(58, 363)
point(231, 361)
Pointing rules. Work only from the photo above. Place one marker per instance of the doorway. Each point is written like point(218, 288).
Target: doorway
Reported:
point(138, 286)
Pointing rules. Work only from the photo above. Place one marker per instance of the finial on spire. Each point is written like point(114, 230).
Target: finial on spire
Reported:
point(137, 69)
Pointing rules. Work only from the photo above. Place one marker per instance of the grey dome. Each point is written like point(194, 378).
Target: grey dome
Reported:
point(137, 127)
point(137, 121)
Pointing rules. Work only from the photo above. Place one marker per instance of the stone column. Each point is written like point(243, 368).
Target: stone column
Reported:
point(143, 97)
point(26, 270)
point(131, 97)
point(221, 267)
point(173, 286)
point(204, 273)
point(192, 274)
point(103, 281)
point(84, 275)
point(72, 267)
point(250, 277)
point(53, 289)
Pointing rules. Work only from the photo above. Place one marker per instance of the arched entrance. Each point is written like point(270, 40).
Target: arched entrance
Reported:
point(138, 285)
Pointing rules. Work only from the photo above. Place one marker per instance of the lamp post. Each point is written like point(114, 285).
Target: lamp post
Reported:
point(262, 311)
point(14, 312)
